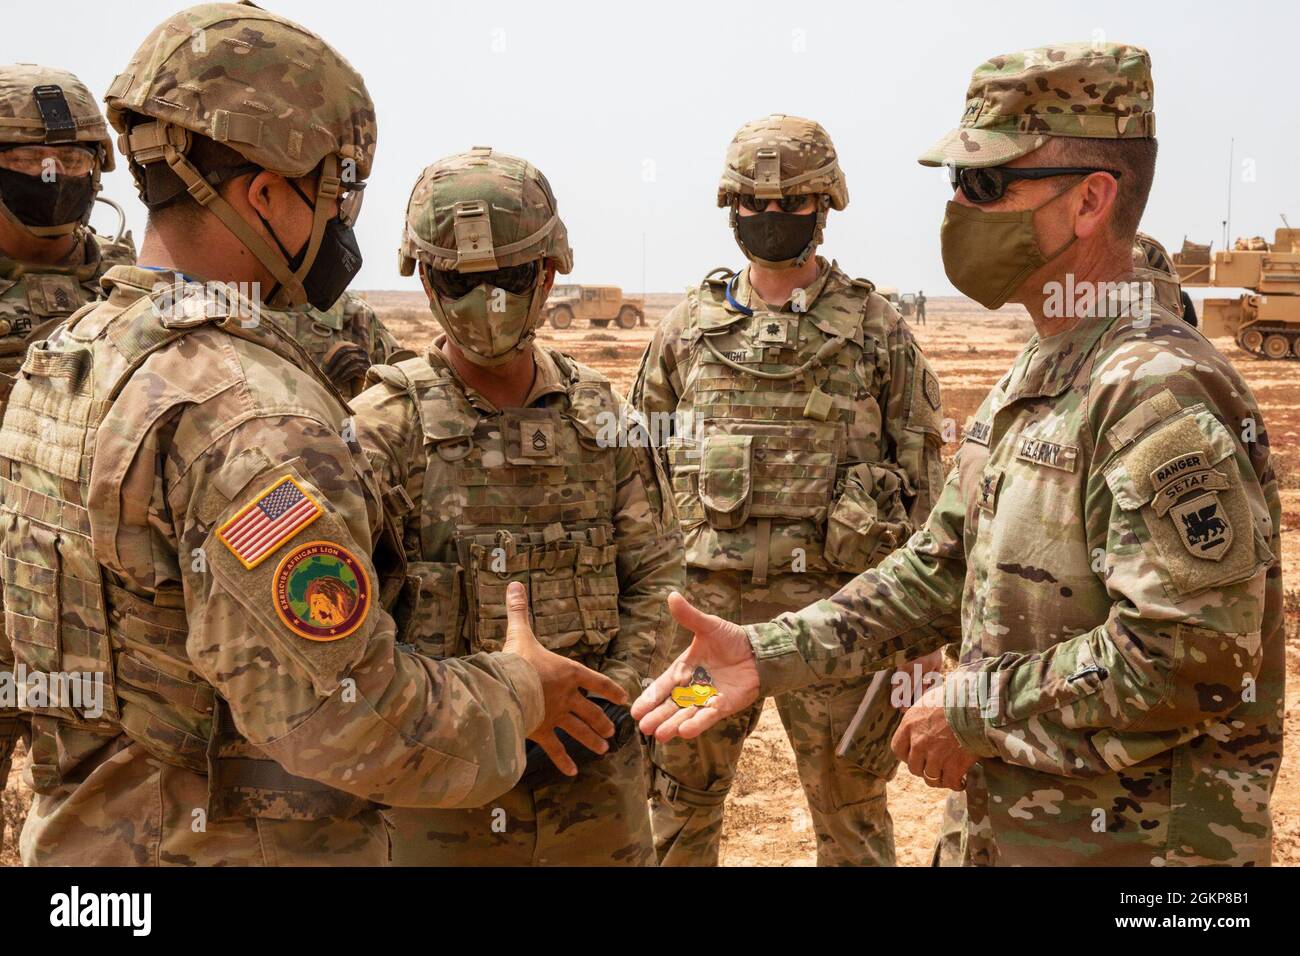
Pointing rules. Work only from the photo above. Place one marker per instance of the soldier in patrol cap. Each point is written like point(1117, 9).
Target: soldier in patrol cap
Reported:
point(185, 533)
point(503, 460)
point(54, 145)
point(1108, 539)
point(806, 448)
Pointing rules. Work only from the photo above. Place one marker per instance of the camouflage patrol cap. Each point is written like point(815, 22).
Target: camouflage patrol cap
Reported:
point(1016, 101)
point(269, 89)
point(482, 210)
point(781, 155)
point(31, 110)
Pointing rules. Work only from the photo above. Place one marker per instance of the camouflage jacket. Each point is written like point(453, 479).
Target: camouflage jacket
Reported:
point(564, 495)
point(1110, 540)
point(35, 297)
point(199, 542)
point(840, 461)
point(343, 341)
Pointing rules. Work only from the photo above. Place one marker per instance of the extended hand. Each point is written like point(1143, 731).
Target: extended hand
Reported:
point(563, 682)
point(721, 648)
point(925, 742)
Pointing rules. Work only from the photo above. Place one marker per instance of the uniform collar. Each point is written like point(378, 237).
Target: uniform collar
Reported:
point(81, 263)
point(744, 294)
point(550, 379)
point(1055, 361)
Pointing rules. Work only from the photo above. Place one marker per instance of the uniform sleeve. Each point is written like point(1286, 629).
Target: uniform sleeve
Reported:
point(651, 560)
point(658, 385)
point(14, 725)
point(913, 421)
point(905, 607)
point(294, 640)
point(1179, 518)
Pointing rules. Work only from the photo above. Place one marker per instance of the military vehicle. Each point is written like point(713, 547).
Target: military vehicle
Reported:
point(1266, 320)
point(904, 302)
point(598, 304)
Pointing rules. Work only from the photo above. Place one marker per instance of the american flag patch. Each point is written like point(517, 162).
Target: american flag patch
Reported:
point(275, 516)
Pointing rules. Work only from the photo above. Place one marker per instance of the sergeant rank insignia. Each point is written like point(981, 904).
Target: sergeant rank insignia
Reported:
point(321, 591)
point(699, 693)
point(273, 517)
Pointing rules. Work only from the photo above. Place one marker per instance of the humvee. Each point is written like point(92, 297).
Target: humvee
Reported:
point(598, 304)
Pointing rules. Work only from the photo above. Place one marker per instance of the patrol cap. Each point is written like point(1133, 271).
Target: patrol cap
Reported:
point(1014, 102)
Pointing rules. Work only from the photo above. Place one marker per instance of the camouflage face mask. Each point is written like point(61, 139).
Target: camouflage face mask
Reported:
point(488, 324)
point(987, 255)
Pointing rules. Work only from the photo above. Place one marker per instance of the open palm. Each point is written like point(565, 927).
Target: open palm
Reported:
point(721, 648)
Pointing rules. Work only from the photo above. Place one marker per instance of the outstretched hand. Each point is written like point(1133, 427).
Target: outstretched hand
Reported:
point(720, 647)
point(563, 682)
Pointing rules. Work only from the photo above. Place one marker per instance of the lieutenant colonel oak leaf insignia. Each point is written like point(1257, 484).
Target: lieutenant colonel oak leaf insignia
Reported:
point(271, 519)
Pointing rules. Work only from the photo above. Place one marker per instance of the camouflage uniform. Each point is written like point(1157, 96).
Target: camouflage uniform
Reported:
point(550, 494)
point(343, 341)
point(34, 297)
point(786, 486)
point(1109, 540)
point(199, 544)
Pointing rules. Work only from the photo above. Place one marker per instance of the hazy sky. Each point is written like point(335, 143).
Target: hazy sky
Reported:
point(628, 108)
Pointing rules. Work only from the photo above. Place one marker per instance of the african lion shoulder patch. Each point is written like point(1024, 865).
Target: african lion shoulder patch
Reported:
point(321, 591)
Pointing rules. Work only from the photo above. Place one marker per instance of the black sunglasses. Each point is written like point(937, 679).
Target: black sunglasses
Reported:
point(514, 279)
point(787, 203)
point(989, 183)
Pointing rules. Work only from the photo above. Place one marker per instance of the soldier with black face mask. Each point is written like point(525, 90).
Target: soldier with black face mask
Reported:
point(54, 145)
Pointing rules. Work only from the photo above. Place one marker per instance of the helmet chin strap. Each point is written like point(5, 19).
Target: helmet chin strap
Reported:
point(152, 141)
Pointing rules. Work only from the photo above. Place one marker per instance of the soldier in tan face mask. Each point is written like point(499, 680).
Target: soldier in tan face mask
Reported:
point(504, 461)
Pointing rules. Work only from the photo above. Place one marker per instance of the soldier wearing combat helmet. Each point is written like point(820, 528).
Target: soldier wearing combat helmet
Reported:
point(178, 487)
point(504, 461)
point(54, 145)
point(806, 449)
point(1108, 539)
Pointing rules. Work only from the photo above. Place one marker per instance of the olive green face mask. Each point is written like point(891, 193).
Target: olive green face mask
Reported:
point(988, 254)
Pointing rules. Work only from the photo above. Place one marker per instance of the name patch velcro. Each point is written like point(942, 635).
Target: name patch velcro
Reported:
point(1038, 451)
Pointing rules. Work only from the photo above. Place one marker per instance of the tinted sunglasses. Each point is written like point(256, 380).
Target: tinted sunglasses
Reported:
point(989, 183)
point(787, 203)
point(518, 280)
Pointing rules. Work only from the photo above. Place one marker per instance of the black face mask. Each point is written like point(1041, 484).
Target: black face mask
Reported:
point(337, 262)
point(776, 236)
point(44, 204)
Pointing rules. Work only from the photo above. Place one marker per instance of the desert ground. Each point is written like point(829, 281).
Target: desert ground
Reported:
point(766, 823)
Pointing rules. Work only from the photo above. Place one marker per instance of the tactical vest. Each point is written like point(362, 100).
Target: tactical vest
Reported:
point(777, 458)
point(525, 494)
point(31, 301)
point(64, 612)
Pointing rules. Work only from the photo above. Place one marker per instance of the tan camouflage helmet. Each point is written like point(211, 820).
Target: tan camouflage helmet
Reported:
point(1014, 102)
point(42, 105)
point(266, 88)
point(482, 210)
point(778, 156)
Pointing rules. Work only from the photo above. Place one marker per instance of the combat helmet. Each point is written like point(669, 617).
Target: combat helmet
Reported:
point(479, 212)
point(261, 86)
point(42, 105)
point(778, 156)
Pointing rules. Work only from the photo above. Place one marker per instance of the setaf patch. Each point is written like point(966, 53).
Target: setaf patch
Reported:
point(321, 591)
point(1203, 526)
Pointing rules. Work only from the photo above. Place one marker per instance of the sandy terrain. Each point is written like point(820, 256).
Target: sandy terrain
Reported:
point(766, 820)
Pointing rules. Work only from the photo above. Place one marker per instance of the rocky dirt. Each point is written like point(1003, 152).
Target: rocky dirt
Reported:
point(767, 824)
